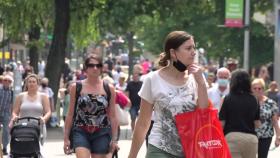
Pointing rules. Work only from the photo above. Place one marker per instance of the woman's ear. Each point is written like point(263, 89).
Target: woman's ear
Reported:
point(172, 54)
point(172, 51)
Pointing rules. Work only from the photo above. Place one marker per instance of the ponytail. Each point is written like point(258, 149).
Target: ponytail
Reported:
point(164, 57)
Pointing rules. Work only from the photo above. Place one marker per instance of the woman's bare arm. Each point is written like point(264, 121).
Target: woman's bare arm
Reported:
point(46, 107)
point(141, 127)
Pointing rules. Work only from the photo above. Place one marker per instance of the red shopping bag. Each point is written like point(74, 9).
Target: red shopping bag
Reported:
point(201, 134)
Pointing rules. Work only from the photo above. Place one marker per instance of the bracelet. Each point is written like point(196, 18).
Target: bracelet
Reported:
point(114, 141)
point(114, 138)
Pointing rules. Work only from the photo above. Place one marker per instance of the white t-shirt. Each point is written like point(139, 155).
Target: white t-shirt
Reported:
point(216, 96)
point(168, 100)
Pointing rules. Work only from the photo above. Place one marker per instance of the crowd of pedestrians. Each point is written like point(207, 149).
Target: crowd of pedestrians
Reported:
point(248, 104)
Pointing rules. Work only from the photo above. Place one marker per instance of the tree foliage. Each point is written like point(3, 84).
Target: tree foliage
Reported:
point(149, 20)
point(204, 19)
point(20, 16)
point(84, 25)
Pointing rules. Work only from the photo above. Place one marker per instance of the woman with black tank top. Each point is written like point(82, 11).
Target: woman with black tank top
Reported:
point(95, 123)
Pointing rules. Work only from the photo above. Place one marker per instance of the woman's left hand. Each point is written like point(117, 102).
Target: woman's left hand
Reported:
point(197, 73)
point(277, 141)
point(114, 146)
point(42, 120)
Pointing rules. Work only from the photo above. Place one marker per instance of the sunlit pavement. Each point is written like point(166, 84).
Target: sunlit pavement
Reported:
point(53, 147)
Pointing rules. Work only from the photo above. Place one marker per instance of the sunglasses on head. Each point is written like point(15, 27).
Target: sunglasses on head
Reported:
point(94, 65)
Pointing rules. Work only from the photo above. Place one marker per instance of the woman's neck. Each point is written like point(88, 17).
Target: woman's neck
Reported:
point(170, 69)
point(93, 80)
point(262, 98)
point(32, 92)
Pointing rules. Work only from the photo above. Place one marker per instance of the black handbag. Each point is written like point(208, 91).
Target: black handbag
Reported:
point(78, 91)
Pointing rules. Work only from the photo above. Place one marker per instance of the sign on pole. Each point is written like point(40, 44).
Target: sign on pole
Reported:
point(234, 13)
point(7, 55)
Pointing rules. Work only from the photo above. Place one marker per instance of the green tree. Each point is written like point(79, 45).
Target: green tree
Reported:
point(56, 55)
point(83, 15)
point(32, 17)
point(26, 17)
point(203, 19)
point(149, 20)
point(120, 18)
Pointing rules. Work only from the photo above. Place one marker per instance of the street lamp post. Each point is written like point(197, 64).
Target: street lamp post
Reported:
point(276, 65)
point(247, 36)
point(3, 42)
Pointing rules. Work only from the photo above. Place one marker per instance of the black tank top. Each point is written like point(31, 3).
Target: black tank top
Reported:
point(92, 111)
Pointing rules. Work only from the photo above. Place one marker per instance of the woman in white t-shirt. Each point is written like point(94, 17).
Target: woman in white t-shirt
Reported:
point(176, 88)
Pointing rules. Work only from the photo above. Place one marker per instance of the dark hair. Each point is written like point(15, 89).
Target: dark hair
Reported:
point(240, 82)
point(173, 41)
point(92, 56)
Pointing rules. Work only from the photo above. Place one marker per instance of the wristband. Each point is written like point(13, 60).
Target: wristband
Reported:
point(114, 138)
point(114, 141)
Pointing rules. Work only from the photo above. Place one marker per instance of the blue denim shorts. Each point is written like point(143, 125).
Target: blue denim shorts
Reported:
point(97, 142)
point(134, 111)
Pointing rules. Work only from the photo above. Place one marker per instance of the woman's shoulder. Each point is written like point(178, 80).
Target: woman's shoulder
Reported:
point(239, 96)
point(21, 95)
point(151, 76)
point(271, 102)
point(42, 94)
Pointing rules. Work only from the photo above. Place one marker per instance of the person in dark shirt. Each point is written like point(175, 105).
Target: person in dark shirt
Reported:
point(239, 114)
point(1, 70)
point(66, 72)
point(272, 91)
point(132, 90)
point(110, 63)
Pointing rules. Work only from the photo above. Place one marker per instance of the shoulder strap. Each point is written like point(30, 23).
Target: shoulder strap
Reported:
point(12, 96)
point(78, 91)
point(107, 90)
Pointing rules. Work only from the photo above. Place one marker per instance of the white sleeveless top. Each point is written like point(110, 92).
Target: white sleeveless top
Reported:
point(31, 108)
point(35, 109)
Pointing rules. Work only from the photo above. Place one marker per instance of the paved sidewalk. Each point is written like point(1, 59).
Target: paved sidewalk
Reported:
point(54, 145)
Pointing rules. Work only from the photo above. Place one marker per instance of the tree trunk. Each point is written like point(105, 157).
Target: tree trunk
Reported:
point(57, 53)
point(221, 61)
point(130, 53)
point(34, 35)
